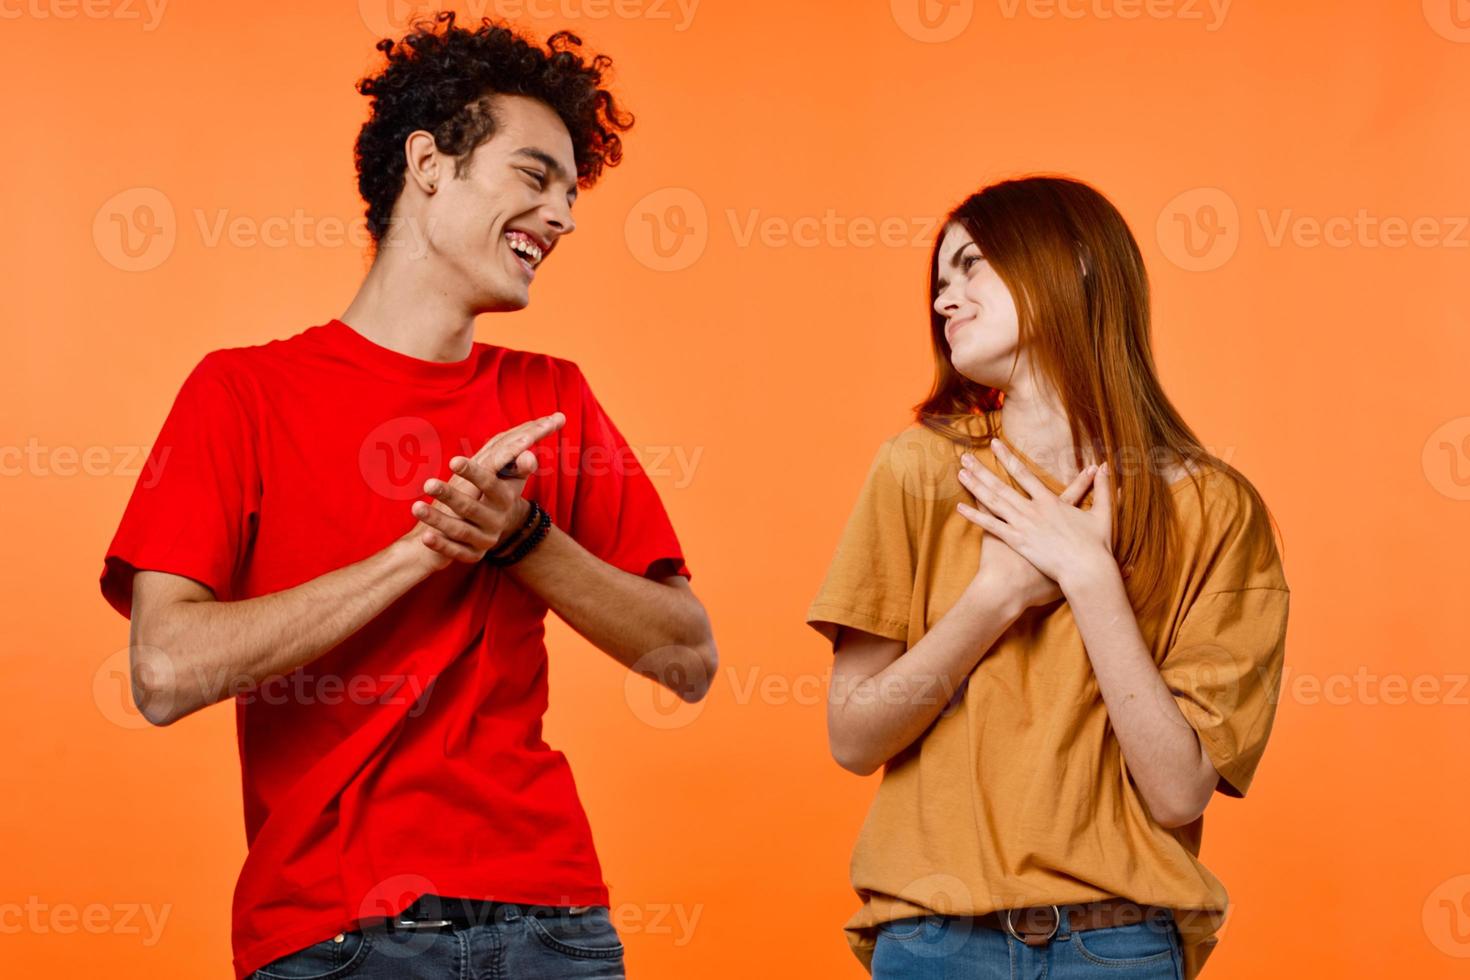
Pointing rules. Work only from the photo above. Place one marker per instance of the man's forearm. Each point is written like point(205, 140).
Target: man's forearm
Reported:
point(659, 630)
point(189, 652)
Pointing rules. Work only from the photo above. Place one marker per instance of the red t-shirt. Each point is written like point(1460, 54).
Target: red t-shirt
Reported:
point(409, 758)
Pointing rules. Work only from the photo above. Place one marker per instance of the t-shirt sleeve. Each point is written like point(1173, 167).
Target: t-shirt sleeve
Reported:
point(193, 510)
point(1224, 670)
point(616, 512)
point(870, 581)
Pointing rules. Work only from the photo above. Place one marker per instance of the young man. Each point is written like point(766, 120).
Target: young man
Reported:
point(385, 651)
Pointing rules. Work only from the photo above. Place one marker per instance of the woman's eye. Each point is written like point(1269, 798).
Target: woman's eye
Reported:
point(968, 261)
point(535, 175)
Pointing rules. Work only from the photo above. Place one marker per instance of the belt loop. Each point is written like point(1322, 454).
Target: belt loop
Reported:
point(428, 906)
point(1064, 922)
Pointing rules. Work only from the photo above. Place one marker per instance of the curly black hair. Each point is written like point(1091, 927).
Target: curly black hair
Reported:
point(442, 78)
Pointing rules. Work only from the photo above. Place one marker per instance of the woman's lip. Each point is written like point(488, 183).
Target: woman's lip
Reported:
point(953, 325)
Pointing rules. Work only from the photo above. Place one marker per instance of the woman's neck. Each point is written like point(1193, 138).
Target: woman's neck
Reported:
point(1032, 420)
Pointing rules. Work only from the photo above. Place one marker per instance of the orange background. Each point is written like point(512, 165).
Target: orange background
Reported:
point(775, 357)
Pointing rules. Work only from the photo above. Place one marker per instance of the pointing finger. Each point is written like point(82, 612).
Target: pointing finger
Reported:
point(1077, 489)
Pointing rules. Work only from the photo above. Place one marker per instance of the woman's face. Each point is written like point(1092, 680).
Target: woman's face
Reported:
point(980, 316)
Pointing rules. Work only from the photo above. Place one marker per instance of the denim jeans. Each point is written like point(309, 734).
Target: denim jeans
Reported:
point(516, 943)
point(942, 947)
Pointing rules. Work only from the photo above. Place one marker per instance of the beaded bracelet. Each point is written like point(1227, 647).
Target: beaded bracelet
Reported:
point(509, 541)
point(530, 541)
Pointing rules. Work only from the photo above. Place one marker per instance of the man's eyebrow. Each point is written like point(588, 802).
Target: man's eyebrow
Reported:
point(548, 161)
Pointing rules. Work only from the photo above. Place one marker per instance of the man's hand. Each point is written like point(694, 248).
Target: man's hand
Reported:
point(474, 510)
point(657, 628)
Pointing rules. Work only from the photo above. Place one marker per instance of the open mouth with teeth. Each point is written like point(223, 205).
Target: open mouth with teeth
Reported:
point(527, 251)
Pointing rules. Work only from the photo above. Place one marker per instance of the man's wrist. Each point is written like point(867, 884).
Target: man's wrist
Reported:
point(517, 526)
point(526, 539)
point(410, 558)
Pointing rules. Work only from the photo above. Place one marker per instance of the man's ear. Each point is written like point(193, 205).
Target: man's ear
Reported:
point(421, 160)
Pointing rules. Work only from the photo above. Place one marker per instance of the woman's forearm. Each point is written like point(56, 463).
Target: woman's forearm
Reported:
point(1164, 754)
point(873, 718)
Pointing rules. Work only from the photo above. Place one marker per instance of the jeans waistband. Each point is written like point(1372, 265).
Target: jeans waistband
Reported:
point(446, 912)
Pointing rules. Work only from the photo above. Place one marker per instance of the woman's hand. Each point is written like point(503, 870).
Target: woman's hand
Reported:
point(1002, 572)
point(1057, 538)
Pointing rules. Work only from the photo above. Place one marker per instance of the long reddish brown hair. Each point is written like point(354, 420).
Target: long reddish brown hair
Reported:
point(1088, 334)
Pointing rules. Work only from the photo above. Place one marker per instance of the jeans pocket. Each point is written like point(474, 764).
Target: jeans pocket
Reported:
point(903, 930)
point(325, 960)
point(1138, 944)
point(586, 935)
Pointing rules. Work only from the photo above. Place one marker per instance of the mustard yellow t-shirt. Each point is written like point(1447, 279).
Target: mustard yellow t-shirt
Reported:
point(1019, 794)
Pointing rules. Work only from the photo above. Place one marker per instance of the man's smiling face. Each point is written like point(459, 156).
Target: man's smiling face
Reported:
point(496, 222)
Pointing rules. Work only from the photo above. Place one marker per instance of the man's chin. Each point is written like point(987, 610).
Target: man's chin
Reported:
point(505, 301)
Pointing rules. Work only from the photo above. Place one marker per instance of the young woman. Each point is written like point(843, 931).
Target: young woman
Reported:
point(1058, 623)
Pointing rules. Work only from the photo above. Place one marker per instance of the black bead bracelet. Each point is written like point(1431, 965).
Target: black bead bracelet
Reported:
point(527, 543)
point(509, 541)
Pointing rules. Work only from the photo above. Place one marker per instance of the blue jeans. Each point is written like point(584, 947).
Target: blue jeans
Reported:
point(940, 947)
point(516, 942)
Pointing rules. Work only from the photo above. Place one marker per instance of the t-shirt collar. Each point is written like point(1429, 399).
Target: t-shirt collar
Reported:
point(386, 361)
